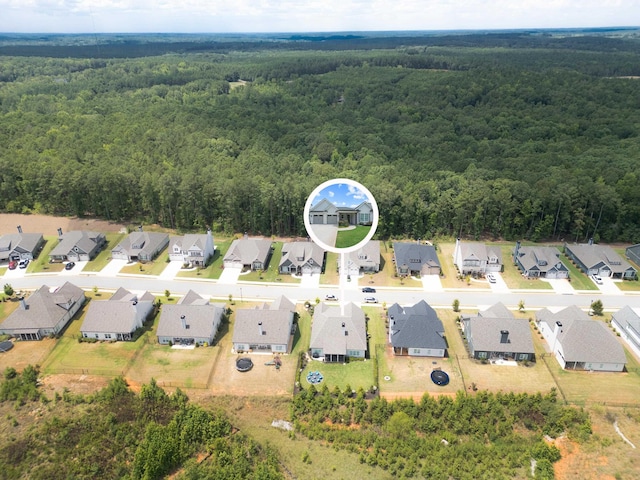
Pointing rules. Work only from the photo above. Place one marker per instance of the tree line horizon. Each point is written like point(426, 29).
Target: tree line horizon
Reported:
point(518, 136)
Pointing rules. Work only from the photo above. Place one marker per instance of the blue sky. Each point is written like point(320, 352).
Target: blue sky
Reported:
point(217, 16)
point(341, 195)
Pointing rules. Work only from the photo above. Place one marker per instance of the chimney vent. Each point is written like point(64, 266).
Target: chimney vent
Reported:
point(504, 336)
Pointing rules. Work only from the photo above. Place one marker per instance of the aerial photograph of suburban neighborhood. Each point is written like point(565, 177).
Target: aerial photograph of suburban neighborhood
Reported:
point(337, 242)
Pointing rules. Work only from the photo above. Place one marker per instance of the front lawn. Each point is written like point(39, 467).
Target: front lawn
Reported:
point(104, 257)
point(351, 237)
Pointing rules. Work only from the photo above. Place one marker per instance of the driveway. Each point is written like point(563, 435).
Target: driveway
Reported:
point(75, 270)
point(499, 286)
point(326, 234)
point(431, 283)
point(560, 286)
point(112, 268)
point(15, 273)
point(171, 270)
point(230, 275)
point(310, 280)
point(609, 286)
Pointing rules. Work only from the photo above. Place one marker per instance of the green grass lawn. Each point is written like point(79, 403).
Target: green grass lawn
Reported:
point(271, 274)
point(331, 275)
point(104, 257)
point(349, 238)
point(41, 264)
point(148, 268)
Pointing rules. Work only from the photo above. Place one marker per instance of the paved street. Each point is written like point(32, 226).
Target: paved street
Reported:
point(108, 279)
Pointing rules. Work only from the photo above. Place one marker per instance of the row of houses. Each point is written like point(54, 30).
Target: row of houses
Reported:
point(305, 257)
point(338, 332)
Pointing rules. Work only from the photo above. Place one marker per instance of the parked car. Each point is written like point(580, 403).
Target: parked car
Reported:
point(331, 298)
point(491, 277)
point(368, 290)
point(24, 263)
point(597, 279)
point(370, 300)
point(12, 265)
point(69, 265)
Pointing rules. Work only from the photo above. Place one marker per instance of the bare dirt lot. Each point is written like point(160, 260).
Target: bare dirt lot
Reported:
point(49, 225)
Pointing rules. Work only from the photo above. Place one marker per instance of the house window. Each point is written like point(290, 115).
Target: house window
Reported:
point(365, 217)
point(107, 335)
point(415, 351)
point(482, 354)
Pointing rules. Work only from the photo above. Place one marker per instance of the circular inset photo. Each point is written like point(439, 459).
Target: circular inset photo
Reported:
point(341, 215)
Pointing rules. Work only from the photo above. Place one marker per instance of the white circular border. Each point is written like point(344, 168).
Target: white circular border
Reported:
point(316, 192)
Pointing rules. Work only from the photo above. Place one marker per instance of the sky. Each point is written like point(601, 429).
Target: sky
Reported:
point(341, 195)
point(253, 16)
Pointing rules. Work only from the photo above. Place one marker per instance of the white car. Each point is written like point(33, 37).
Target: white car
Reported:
point(370, 300)
point(597, 279)
point(491, 277)
point(331, 298)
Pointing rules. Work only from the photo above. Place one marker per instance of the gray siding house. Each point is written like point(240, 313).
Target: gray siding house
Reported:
point(599, 260)
point(77, 246)
point(20, 246)
point(193, 249)
point(337, 336)
point(119, 317)
point(496, 334)
point(633, 253)
point(301, 258)
point(415, 259)
point(364, 260)
point(269, 328)
point(45, 312)
point(248, 254)
point(540, 262)
point(416, 331)
point(193, 320)
point(325, 212)
point(140, 246)
point(626, 322)
point(476, 258)
point(579, 342)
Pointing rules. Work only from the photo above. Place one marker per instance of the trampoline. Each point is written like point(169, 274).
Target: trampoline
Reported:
point(5, 346)
point(244, 364)
point(439, 377)
point(314, 378)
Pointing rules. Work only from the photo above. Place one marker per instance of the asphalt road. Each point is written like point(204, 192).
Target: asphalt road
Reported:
point(405, 296)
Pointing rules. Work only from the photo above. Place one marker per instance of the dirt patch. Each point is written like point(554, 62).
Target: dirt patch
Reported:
point(48, 225)
point(78, 384)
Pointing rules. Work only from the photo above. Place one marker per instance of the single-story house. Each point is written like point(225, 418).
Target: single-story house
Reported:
point(599, 260)
point(193, 320)
point(540, 262)
point(248, 253)
point(338, 335)
point(633, 253)
point(496, 334)
point(269, 328)
point(415, 259)
point(325, 212)
point(416, 331)
point(477, 258)
point(301, 257)
point(626, 322)
point(579, 342)
point(118, 317)
point(140, 246)
point(194, 249)
point(20, 246)
point(45, 312)
point(364, 260)
point(77, 246)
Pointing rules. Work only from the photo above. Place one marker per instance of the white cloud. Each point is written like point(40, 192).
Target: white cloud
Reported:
point(309, 15)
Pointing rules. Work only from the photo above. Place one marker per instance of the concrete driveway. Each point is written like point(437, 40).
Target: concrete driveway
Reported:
point(310, 280)
point(230, 275)
point(560, 286)
point(431, 283)
point(112, 268)
point(326, 234)
point(77, 268)
point(171, 270)
point(499, 286)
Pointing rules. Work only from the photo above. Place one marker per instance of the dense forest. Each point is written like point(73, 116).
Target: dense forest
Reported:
point(512, 135)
